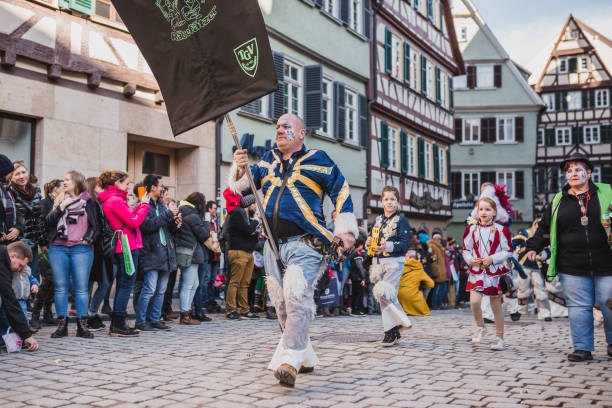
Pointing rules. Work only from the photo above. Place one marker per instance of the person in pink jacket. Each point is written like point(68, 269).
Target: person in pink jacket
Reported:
point(121, 218)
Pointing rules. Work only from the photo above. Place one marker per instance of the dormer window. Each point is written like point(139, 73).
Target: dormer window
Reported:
point(562, 67)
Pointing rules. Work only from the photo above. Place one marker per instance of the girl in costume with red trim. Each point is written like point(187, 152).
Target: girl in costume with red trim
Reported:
point(486, 248)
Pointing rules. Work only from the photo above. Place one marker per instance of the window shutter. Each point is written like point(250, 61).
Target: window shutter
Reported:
point(406, 62)
point(252, 107)
point(339, 111)
point(363, 121)
point(82, 6)
point(471, 77)
point(519, 184)
point(367, 13)
point(606, 174)
point(573, 64)
point(436, 163)
point(591, 97)
point(455, 185)
point(487, 130)
point(488, 177)
point(605, 132)
point(438, 94)
point(448, 166)
point(277, 98)
point(313, 96)
point(497, 76)
point(563, 100)
point(557, 101)
point(421, 155)
point(423, 75)
point(549, 137)
point(577, 135)
point(585, 99)
point(519, 132)
point(404, 151)
point(388, 51)
point(451, 94)
point(384, 145)
point(458, 130)
point(554, 180)
point(344, 11)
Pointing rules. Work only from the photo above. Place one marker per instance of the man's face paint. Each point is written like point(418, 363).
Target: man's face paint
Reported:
point(289, 131)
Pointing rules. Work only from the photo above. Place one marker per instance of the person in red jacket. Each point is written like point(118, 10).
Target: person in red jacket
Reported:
point(122, 218)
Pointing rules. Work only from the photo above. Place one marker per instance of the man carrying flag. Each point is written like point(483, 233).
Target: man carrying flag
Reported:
point(294, 181)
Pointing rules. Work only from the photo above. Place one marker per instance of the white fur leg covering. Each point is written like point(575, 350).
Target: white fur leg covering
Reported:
point(274, 291)
point(383, 290)
point(376, 271)
point(294, 283)
point(237, 186)
point(346, 223)
point(392, 316)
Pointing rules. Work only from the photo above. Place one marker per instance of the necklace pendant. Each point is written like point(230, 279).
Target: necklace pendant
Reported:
point(584, 220)
point(482, 267)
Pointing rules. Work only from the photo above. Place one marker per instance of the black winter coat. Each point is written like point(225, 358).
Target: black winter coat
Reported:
point(154, 256)
point(10, 305)
point(33, 221)
point(242, 231)
point(56, 214)
point(580, 251)
point(194, 232)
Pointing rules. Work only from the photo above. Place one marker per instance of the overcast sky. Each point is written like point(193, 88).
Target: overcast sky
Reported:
point(527, 29)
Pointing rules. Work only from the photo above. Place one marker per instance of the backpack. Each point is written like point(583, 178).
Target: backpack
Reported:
point(224, 236)
point(109, 238)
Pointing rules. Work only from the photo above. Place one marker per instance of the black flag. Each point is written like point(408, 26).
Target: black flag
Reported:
point(208, 56)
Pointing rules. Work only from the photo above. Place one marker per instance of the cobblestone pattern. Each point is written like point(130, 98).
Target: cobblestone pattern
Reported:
point(223, 364)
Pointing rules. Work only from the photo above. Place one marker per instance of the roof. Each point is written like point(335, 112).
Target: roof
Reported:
point(601, 43)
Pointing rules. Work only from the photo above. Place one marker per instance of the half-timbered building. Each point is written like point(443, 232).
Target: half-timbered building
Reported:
point(496, 114)
point(575, 84)
point(414, 57)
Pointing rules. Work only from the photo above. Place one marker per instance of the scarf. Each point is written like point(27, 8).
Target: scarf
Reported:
point(9, 216)
point(71, 214)
point(27, 192)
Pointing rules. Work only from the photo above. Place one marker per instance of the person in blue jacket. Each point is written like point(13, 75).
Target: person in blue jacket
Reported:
point(388, 264)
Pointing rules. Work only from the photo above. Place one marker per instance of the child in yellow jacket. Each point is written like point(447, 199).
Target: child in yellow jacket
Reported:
point(410, 296)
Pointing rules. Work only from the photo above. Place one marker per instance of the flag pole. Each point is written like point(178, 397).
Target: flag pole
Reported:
point(267, 229)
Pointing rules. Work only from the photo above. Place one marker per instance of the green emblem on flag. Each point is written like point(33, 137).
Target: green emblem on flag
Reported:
point(248, 56)
point(185, 19)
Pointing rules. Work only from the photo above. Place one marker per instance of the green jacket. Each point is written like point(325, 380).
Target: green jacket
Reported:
point(604, 195)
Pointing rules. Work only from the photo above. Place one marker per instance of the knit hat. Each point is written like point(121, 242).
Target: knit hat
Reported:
point(6, 166)
point(247, 200)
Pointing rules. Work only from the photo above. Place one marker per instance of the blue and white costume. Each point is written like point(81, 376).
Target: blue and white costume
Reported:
point(387, 268)
point(311, 175)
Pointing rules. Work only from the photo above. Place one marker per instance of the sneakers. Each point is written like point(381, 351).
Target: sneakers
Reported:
point(515, 317)
point(480, 332)
point(548, 319)
point(498, 344)
point(250, 315)
point(391, 337)
point(581, 355)
point(159, 325)
point(107, 309)
point(95, 323)
point(82, 330)
point(286, 375)
point(202, 317)
point(233, 316)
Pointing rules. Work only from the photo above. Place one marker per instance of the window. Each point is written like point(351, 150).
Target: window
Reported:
point(591, 134)
point(584, 64)
point(506, 178)
point(563, 136)
point(441, 164)
point(562, 66)
point(414, 70)
point(351, 117)
point(505, 130)
point(16, 139)
point(412, 169)
point(257, 107)
point(428, 156)
point(156, 163)
point(292, 100)
point(396, 57)
point(443, 90)
point(430, 80)
point(484, 76)
point(471, 184)
point(574, 100)
point(602, 98)
point(471, 130)
point(541, 139)
point(326, 107)
point(596, 175)
point(571, 34)
point(355, 15)
point(106, 10)
point(393, 149)
point(463, 34)
point(549, 99)
point(330, 6)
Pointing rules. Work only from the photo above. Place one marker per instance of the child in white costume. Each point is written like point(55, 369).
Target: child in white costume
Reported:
point(487, 247)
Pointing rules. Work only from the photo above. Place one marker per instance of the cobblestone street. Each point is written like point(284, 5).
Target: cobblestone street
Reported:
point(223, 364)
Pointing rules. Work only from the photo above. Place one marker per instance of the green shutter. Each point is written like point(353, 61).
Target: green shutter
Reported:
point(384, 145)
point(573, 64)
point(450, 93)
point(421, 152)
point(407, 63)
point(605, 132)
point(438, 93)
point(388, 51)
point(82, 6)
point(423, 75)
point(404, 150)
point(448, 165)
point(436, 163)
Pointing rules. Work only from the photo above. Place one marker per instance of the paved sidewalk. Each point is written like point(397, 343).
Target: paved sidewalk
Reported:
point(223, 364)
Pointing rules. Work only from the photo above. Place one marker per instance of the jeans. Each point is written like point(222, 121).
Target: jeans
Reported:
point(581, 294)
point(201, 295)
point(75, 263)
point(102, 290)
point(151, 298)
point(187, 286)
point(342, 278)
point(125, 284)
point(439, 294)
